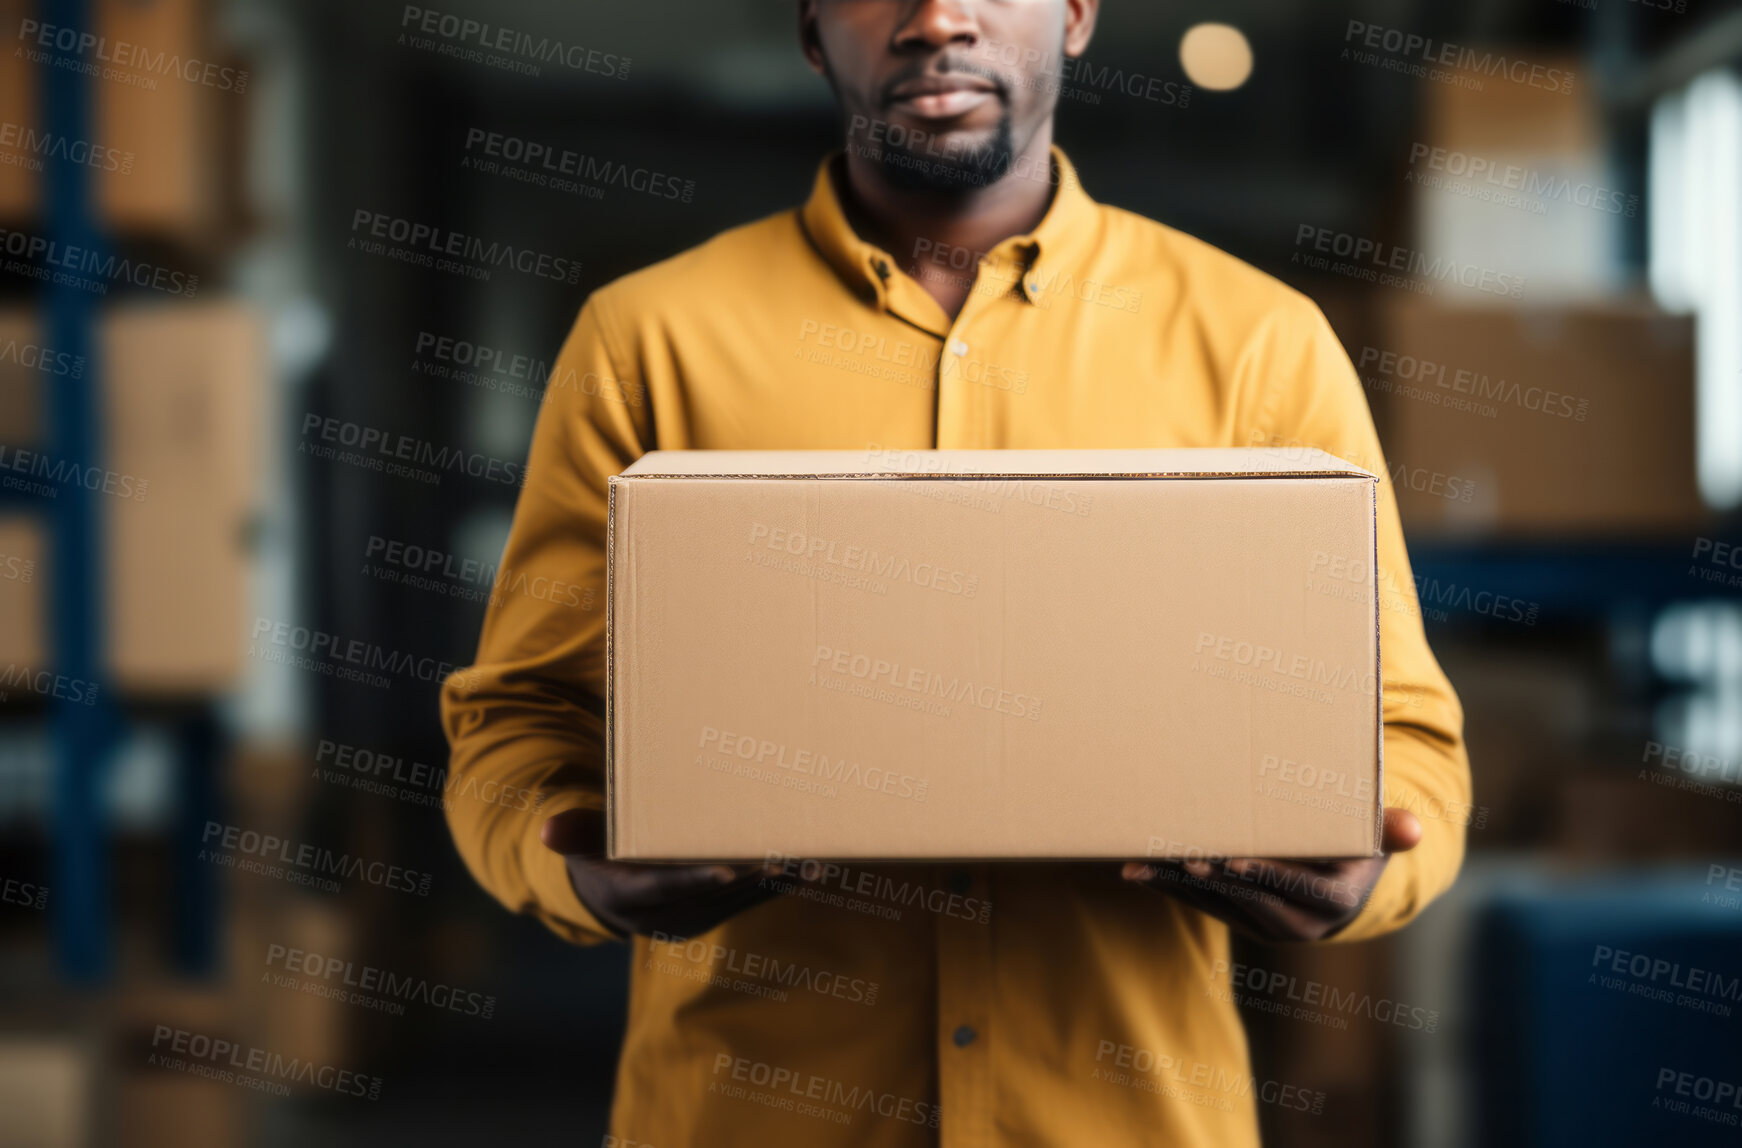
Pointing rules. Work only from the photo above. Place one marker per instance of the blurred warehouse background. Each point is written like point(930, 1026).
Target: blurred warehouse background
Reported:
point(189, 290)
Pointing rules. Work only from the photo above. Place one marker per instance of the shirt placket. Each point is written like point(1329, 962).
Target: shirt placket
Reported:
point(970, 348)
point(965, 1022)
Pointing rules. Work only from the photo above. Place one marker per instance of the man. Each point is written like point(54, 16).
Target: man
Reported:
point(962, 1004)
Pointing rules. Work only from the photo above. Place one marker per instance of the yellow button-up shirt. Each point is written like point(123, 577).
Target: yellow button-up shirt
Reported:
point(973, 1005)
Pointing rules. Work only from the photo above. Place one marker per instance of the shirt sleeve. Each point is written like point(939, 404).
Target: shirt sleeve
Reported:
point(528, 715)
point(1313, 398)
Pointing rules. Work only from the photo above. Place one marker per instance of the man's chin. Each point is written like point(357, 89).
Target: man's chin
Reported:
point(959, 159)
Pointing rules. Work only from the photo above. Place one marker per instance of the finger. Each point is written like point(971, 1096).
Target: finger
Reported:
point(575, 832)
point(1221, 898)
point(1329, 890)
point(665, 884)
point(1402, 831)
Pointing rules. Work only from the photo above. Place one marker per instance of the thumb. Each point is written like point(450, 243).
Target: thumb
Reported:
point(576, 832)
point(1402, 831)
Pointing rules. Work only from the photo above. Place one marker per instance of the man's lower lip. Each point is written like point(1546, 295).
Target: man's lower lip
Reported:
point(942, 105)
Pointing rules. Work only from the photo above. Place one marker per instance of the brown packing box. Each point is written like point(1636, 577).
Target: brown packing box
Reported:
point(181, 394)
point(991, 654)
point(47, 1090)
point(1572, 422)
point(161, 129)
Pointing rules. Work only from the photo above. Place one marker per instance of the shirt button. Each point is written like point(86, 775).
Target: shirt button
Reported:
point(960, 883)
point(958, 348)
point(964, 1036)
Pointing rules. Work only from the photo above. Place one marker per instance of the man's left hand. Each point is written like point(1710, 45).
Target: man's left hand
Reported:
point(1280, 900)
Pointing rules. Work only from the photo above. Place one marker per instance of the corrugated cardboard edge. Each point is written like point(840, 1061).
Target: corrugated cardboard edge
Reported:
point(610, 667)
point(1378, 691)
point(917, 476)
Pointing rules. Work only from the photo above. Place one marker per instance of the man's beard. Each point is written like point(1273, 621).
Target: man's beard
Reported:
point(932, 167)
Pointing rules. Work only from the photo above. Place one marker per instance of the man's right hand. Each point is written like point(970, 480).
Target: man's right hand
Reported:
point(680, 900)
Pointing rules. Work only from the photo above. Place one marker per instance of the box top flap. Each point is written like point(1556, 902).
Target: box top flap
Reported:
point(1232, 462)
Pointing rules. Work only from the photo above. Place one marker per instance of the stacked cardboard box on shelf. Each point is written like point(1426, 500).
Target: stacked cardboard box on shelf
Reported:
point(160, 1097)
point(160, 110)
point(1562, 408)
point(1511, 176)
point(180, 406)
point(47, 1084)
point(1573, 422)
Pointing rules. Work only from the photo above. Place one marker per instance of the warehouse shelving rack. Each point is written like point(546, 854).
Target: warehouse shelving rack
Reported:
point(85, 732)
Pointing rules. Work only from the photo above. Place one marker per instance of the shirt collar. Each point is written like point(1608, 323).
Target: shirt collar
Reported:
point(1056, 243)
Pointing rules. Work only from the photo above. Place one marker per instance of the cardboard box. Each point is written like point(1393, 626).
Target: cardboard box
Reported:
point(989, 654)
point(1515, 179)
point(47, 1086)
point(156, 1102)
point(1568, 422)
point(23, 593)
point(181, 394)
point(158, 119)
